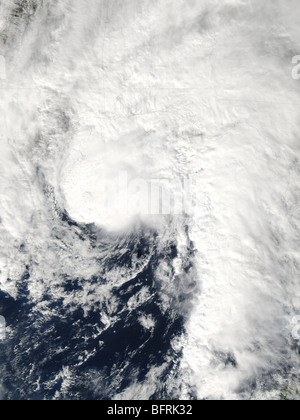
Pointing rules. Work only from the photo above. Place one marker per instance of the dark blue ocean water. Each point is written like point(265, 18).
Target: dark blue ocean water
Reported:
point(42, 342)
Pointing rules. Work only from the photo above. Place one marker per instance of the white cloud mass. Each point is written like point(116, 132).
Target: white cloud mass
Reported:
point(188, 89)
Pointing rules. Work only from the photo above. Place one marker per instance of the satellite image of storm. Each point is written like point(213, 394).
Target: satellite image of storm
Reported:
point(149, 200)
